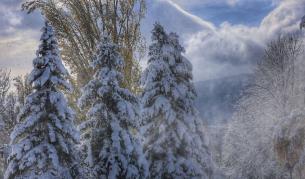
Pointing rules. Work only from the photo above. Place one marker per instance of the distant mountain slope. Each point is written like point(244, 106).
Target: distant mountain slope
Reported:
point(216, 98)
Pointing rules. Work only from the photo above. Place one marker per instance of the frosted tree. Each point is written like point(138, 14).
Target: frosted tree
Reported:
point(111, 148)
point(5, 121)
point(173, 143)
point(10, 104)
point(265, 139)
point(23, 89)
point(43, 143)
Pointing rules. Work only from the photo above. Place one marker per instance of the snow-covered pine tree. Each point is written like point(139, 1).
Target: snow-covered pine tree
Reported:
point(43, 143)
point(173, 143)
point(112, 149)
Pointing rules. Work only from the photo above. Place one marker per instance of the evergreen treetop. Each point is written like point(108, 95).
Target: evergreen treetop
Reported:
point(110, 147)
point(173, 143)
point(43, 143)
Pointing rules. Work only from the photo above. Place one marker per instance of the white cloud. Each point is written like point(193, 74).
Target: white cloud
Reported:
point(230, 50)
point(17, 51)
point(283, 19)
point(19, 35)
point(233, 49)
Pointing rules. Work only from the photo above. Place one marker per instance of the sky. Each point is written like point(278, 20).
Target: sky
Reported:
point(221, 37)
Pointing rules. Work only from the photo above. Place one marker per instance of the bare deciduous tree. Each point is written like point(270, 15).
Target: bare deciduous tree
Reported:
point(4, 84)
point(4, 89)
point(10, 104)
point(253, 146)
point(22, 88)
point(5, 81)
point(277, 75)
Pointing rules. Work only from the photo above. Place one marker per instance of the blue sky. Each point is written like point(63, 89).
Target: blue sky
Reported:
point(221, 37)
point(248, 13)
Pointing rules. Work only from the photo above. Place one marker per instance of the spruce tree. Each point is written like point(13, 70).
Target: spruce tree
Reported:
point(173, 143)
point(43, 143)
point(111, 148)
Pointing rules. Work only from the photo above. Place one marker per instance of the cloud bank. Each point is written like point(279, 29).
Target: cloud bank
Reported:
point(19, 34)
point(233, 49)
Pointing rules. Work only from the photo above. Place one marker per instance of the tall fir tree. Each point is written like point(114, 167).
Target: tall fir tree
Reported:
point(43, 143)
point(173, 143)
point(111, 148)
